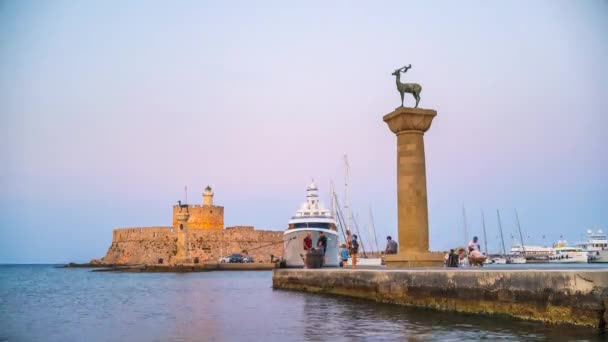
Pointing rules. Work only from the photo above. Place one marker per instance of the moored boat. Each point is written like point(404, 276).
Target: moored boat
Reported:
point(516, 259)
point(311, 218)
point(568, 255)
point(596, 246)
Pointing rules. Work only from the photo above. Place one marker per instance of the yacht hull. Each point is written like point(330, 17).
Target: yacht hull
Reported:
point(293, 244)
point(598, 256)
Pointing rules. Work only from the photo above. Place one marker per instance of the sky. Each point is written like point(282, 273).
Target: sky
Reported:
point(109, 108)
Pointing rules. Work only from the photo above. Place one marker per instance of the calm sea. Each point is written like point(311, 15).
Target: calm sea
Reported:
point(44, 303)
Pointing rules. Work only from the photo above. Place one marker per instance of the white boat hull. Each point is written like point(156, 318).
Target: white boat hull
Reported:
point(499, 261)
point(293, 244)
point(573, 257)
point(516, 260)
point(365, 262)
point(598, 256)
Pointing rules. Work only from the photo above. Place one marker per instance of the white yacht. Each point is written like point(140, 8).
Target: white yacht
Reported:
point(532, 252)
point(568, 255)
point(596, 246)
point(312, 218)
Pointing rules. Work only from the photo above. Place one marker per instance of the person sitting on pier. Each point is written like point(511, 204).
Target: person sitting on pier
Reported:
point(391, 246)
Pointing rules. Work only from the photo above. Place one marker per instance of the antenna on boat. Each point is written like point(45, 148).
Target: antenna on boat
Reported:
point(485, 239)
point(346, 202)
point(502, 238)
point(520, 234)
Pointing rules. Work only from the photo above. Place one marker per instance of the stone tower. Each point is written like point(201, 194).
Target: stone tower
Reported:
point(183, 254)
point(208, 196)
point(205, 216)
point(410, 124)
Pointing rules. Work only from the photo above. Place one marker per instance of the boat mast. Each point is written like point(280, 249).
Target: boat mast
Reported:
point(521, 236)
point(485, 238)
point(371, 218)
point(333, 199)
point(502, 238)
point(346, 202)
point(466, 233)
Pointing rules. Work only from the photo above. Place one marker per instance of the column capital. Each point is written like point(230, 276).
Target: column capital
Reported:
point(404, 119)
point(182, 216)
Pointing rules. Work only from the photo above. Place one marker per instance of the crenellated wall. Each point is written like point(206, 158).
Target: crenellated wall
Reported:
point(146, 245)
point(202, 216)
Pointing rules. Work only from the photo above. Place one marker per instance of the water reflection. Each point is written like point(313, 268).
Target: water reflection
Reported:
point(44, 303)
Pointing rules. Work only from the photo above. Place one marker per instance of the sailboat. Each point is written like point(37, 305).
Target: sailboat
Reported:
point(518, 258)
point(501, 259)
point(485, 238)
point(348, 221)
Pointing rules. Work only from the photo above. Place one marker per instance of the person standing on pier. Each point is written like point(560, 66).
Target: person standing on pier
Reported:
point(354, 249)
point(307, 243)
point(322, 242)
point(474, 245)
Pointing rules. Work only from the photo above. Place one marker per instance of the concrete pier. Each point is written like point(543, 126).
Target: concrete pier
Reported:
point(578, 297)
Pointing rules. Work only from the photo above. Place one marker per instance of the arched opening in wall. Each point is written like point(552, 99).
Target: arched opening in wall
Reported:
point(154, 234)
point(196, 260)
point(160, 260)
point(181, 226)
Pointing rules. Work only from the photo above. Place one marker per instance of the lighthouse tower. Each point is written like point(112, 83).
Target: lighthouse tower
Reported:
point(208, 196)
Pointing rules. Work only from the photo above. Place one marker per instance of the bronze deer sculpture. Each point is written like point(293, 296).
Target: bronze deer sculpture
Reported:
point(411, 88)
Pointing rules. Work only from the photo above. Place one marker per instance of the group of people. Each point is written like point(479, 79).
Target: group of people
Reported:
point(349, 249)
point(474, 255)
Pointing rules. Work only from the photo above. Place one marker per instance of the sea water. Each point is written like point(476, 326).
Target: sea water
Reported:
point(48, 303)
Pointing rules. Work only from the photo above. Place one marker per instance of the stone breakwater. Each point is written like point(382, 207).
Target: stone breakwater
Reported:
point(578, 297)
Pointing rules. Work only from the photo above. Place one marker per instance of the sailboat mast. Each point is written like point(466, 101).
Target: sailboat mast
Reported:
point(466, 233)
point(371, 218)
point(346, 201)
point(485, 238)
point(521, 236)
point(332, 192)
point(502, 238)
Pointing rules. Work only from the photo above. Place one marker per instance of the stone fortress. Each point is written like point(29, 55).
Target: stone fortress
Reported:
point(196, 236)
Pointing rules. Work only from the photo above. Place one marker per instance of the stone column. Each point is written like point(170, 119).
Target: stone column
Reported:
point(183, 254)
point(409, 124)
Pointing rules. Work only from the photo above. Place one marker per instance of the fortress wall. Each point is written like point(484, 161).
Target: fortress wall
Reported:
point(140, 233)
point(210, 245)
point(146, 245)
point(202, 216)
point(141, 245)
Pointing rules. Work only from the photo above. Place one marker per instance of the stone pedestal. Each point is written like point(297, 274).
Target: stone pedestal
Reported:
point(182, 255)
point(409, 124)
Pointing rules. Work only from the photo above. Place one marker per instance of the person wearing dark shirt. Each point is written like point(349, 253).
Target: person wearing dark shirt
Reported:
point(322, 242)
point(391, 246)
point(307, 243)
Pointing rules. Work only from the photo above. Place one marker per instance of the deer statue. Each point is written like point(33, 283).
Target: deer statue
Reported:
point(411, 88)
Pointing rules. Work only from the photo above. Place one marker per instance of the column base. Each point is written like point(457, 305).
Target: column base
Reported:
point(415, 259)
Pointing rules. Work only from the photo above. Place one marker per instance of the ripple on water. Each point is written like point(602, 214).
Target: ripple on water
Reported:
point(54, 304)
